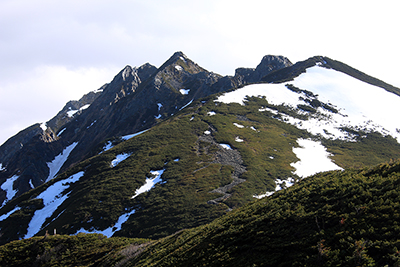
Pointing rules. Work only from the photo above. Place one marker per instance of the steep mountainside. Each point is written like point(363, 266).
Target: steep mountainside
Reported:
point(338, 218)
point(136, 99)
point(135, 170)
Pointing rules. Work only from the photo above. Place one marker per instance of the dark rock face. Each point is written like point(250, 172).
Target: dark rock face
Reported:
point(267, 65)
point(136, 99)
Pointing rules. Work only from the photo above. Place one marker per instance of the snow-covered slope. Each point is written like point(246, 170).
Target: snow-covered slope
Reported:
point(359, 105)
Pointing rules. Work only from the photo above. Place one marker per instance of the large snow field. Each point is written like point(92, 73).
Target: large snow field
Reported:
point(52, 197)
point(360, 105)
point(59, 161)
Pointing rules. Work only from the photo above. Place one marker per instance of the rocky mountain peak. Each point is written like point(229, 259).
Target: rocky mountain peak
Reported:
point(268, 64)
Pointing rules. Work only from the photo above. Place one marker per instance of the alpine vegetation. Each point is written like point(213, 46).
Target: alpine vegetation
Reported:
point(279, 165)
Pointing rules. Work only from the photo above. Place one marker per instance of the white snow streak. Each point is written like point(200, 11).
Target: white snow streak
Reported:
point(60, 132)
point(127, 137)
point(149, 183)
point(72, 112)
point(59, 161)
point(190, 102)
point(238, 125)
point(110, 230)
point(2, 168)
point(8, 186)
point(119, 158)
point(52, 198)
point(5, 216)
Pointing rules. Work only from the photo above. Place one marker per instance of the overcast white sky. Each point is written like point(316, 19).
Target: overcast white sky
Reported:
point(55, 51)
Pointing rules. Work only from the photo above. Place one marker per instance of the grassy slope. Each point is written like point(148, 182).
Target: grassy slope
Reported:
point(58, 250)
point(338, 218)
point(104, 193)
point(348, 218)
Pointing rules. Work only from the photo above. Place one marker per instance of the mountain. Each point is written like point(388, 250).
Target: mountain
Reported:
point(136, 99)
point(176, 147)
point(337, 218)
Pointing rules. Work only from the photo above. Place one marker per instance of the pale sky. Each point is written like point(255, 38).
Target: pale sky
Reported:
point(55, 51)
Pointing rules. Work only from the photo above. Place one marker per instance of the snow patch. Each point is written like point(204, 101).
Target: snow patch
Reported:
point(158, 116)
point(59, 161)
point(43, 126)
point(150, 182)
point(60, 132)
point(207, 132)
point(52, 198)
point(211, 113)
point(5, 216)
point(238, 139)
point(71, 112)
point(190, 102)
point(129, 136)
point(8, 187)
point(112, 229)
point(184, 91)
point(226, 146)
point(2, 168)
point(279, 185)
point(313, 158)
point(238, 125)
point(107, 146)
point(31, 184)
point(91, 124)
point(178, 68)
point(159, 106)
point(119, 158)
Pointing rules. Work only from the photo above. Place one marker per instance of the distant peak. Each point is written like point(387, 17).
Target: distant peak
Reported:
point(279, 61)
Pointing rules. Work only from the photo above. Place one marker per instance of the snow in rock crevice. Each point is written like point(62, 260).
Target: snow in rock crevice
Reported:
point(59, 160)
point(60, 132)
point(52, 197)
